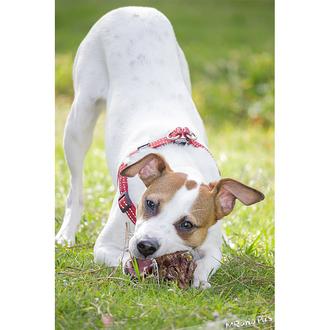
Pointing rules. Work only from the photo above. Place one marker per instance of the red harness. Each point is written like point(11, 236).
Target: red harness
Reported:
point(180, 136)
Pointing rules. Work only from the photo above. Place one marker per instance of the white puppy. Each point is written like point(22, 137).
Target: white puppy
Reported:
point(131, 62)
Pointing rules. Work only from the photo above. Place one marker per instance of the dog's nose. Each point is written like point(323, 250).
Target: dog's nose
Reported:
point(147, 247)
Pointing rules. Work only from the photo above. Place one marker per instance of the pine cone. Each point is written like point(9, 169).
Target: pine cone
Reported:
point(178, 266)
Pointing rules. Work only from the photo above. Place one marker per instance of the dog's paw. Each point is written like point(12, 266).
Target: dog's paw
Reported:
point(205, 285)
point(200, 284)
point(201, 273)
point(107, 256)
point(64, 238)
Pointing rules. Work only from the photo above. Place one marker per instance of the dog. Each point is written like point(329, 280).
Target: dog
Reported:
point(169, 191)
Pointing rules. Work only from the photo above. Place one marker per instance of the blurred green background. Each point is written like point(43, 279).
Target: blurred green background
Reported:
point(229, 46)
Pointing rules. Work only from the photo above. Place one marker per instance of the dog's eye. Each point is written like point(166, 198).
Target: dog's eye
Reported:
point(186, 225)
point(151, 205)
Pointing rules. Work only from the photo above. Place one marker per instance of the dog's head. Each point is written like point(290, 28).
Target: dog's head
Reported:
point(175, 212)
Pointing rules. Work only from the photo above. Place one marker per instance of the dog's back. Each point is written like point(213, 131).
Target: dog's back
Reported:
point(131, 59)
point(141, 50)
point(138, 49)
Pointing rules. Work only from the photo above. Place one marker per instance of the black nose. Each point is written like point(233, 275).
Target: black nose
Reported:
point(147, 247)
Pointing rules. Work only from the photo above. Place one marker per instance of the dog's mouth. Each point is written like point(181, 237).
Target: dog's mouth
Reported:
point(145, 266)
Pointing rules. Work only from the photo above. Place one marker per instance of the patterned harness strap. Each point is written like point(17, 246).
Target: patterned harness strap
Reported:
point(180, 136)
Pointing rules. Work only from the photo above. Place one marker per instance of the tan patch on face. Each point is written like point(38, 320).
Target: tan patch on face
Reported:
point(202, 215)
point(191, 184)
point(160, 192)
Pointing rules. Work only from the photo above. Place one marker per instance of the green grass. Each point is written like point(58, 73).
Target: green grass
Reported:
point(229, 46)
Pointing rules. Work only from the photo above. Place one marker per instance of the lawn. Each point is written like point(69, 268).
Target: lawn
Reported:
point(229, 47)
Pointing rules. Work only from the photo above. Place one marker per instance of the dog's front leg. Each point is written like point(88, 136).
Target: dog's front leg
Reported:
point(206, 267)
point(111, 245)
point(208, 257)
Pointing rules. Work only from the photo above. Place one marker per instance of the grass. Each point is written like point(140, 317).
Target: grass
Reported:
point(229, 46)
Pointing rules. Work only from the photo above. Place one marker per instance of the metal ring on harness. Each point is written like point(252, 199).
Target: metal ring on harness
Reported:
point(191, 136)
point(173, 137)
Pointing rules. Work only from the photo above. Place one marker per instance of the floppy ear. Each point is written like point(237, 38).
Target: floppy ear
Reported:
point(227, 190)
point(149, 168)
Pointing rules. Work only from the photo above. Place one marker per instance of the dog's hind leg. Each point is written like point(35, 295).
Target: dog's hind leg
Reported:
point(90, 88)
point(77, 139)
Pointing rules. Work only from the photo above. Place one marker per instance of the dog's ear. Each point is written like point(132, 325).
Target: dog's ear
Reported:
point(227, 190)
point(149, 168)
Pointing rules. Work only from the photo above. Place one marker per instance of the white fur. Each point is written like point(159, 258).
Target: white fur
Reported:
point(130, 61)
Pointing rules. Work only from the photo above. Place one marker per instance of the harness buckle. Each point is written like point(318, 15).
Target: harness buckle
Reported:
point(181, 135)
point(181, 141)
point(124, 202)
